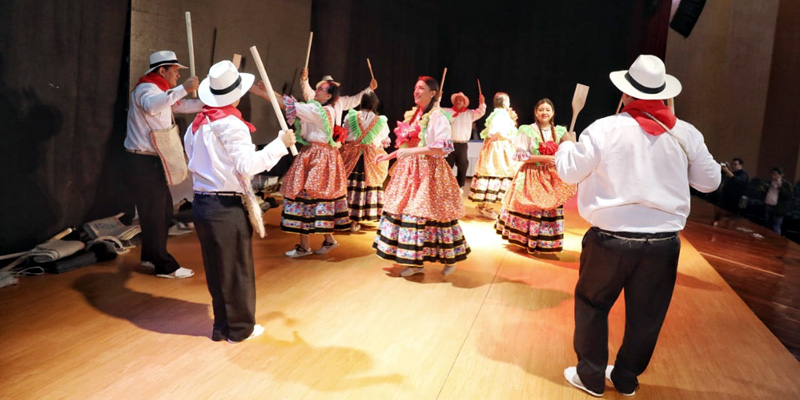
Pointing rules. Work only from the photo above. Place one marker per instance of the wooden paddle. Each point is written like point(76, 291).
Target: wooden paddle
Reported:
point(191, 47)
point(480, 92)
point(578, 101)
point(237, 60)
point(271, 93)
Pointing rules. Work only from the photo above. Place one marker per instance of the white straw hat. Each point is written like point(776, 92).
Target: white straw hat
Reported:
point(161, 58)
point(646, 80)
point(326, 78)
point(224, 84)
point(454, 96)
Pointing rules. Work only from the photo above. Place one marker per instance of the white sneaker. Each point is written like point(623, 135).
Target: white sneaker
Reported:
point(355, 228)
point(298, 251)
point(258, 330)
point(448, 269)
point(179, 273)
point(571, 374)
point(411, 271)
point(326, 247)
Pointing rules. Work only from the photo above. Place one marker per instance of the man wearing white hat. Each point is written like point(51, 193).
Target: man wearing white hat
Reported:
point(633, 172)
point(330, 86)
point(222, 158)
point(461, 124)
point(156, 96)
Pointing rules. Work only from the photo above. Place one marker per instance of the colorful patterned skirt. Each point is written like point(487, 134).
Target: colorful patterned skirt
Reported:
point(533, 215)
point(365, 180)
point(315, 192)
point(495, 169)
point(420, 214)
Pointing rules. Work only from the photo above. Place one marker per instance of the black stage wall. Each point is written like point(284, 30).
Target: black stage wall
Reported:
point(64, 73)
point(529, 49)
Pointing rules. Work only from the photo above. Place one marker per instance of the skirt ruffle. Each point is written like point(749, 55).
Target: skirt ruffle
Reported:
point(365, 202)
point(540, 231)
point(409, 240)
point(307, 216)
point(489, 189)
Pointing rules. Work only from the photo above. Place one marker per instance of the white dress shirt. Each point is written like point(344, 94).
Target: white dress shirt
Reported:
point(366, 118)
point(151, 109)
point(462, 123)
point(342, 104)
point(214, 167)
point(631, 181)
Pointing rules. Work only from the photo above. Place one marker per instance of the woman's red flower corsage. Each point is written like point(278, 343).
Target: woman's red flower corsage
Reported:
point(339, 134)
point(407, 134)
point(548, 148)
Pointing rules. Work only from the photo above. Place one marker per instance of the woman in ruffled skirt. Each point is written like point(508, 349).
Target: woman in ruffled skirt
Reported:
point(532, 215)
point(367, 135)
point(422, 203)
point(315, 187)
point(496, 165)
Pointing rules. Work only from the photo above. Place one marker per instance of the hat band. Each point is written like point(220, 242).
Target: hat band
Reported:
point(644, 89)
point(220, 92)
point(160, 63)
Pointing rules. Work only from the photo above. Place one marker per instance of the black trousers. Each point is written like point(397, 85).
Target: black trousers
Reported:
point(645, 265)
point(458, 157)
point(226, 242)
point(148, 186)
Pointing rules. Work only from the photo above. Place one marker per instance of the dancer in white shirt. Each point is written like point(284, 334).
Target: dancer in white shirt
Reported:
point(367, 135)
point(222, 158)
point(496, 165)
point(633, 172)
point(462, 119)
point(153, 100)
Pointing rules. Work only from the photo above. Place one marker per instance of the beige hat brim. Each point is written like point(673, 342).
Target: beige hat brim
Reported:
point(180, 66)
point(210, 99)
point(671, 89)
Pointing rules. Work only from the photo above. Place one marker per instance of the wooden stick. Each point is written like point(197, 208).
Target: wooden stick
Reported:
point(619, 106)
point(271, 93)
point(191, 47)
point(369, 65)
point(237, 60)
point(308, 53)
point(578, 101)
point(480, 92)
point(671, 104)
point(441, 86)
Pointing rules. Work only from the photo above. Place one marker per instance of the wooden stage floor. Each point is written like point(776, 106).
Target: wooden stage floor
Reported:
point(342, 326)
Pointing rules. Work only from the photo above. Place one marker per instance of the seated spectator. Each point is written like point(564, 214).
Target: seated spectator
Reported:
point(778, 197)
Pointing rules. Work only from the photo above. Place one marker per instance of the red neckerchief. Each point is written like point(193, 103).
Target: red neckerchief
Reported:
point(155, 79)
point(657, 109)
point(458, 111)
point(215, 113)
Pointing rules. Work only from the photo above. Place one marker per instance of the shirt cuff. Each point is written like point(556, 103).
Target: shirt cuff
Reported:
point(445, 144)
point(291, 111)
point(273, 152)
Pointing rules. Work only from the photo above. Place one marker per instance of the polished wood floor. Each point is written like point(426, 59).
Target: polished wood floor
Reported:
point(762, 267)
point(343, 326)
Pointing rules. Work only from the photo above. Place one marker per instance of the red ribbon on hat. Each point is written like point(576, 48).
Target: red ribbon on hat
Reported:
point(657, 109)
point(215, 113)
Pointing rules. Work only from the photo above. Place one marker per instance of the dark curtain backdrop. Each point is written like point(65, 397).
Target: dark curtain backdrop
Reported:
point(62, 106)
point(529, 49)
